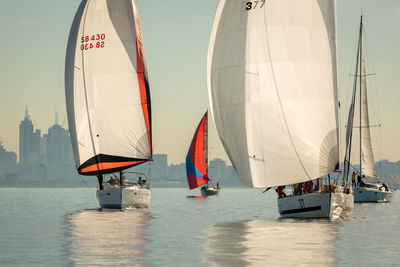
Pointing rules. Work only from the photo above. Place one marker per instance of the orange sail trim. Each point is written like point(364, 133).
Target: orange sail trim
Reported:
point(108, 165)
point(141, 76)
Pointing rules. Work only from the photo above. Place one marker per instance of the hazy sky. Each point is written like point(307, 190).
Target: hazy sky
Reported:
point(176, 34)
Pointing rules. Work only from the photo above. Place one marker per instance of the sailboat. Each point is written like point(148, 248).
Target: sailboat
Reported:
point(108, 99)
point(197, 161)
point(374, 190)
point(272, 80)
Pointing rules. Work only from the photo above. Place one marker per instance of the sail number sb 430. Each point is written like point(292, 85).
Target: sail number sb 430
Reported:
point(94, 41)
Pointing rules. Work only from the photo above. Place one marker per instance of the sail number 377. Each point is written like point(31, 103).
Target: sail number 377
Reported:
point(94, 41)
point(249, 5)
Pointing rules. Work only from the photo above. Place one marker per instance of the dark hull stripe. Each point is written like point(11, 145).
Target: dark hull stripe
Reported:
point(300, 210)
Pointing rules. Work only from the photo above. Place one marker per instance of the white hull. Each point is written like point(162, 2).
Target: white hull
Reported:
point(362, 194)
point(317, 205)
point(211, 191)
point(126, 197)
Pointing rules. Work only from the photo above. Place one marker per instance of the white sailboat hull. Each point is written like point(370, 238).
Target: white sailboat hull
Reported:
point(125, 197)
point(362, 194)
point(317, 205)
point(210, 191)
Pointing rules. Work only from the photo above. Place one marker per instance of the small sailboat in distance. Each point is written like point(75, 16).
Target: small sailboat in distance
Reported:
point(272, 81)
point(108, 99)
point(372, 190)
point(197, 160)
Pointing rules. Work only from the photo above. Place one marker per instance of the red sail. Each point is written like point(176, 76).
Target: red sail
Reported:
point(196, 159)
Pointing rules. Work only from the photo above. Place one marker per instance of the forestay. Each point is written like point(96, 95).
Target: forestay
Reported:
point(107, 91)
point(273, 88)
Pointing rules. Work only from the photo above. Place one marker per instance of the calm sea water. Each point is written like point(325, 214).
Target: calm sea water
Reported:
point(241, 227)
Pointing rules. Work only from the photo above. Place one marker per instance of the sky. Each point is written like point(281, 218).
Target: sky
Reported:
point(176, 35)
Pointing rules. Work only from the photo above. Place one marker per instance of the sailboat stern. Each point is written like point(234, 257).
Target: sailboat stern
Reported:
point(341, 205)
point(373, 195)
point(316, 205)
point(124, 198)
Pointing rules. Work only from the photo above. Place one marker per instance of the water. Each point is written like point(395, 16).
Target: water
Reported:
point(62, 227)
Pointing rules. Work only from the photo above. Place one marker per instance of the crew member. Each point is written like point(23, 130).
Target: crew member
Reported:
point(353, 178)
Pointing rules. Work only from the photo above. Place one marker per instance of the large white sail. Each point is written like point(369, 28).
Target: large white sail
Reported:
point(367, 157)
point(107, 92)
point(272, 83)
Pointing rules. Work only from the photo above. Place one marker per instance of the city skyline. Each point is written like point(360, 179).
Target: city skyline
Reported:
point(27, 124)
point(46, 159)
point(176, 36)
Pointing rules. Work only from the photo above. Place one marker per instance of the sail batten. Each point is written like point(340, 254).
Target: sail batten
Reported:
point(273, 89)
point(107, 90)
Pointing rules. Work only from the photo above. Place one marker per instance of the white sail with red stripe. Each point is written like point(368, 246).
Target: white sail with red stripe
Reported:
point(107, 90)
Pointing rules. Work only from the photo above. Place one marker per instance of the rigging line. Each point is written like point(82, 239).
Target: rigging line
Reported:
point(279, 97)
point(84, 87)
point(363, 75)
point(84, 181)
point(352, 104)
point(368, 126)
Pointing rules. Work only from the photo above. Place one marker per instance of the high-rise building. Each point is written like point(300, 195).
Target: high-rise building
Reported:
point(58, 146)
point(8, 161)
point(29, 142)
point(60, 162)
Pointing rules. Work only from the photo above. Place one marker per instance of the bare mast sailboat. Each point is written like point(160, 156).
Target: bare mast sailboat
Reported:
point(272, 79)
point(373, 190)
point(108, 98)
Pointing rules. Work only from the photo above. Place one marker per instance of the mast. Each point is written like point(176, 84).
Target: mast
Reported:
point(206, 143)
point(367, 163)
point(350, 120)
point(361, 80)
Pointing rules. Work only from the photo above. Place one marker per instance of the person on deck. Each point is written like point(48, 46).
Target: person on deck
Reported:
point(280, 191)
point(111, 181)
point(360, 182)
point(308, 186)
point(296, 189)
point(300, 188)
point(353, 179)
point(140, 181)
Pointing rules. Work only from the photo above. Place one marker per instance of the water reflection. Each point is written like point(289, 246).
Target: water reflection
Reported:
point(199, 200)
point(109, 238)
point(275, 243)
point(197, 197)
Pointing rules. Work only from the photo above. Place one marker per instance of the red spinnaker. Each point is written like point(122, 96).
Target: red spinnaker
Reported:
point(196, 159)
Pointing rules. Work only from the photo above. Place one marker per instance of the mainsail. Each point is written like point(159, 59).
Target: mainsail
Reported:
point(107, 92)
point(367, 162)
point(272, 79)
point(196, 159)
